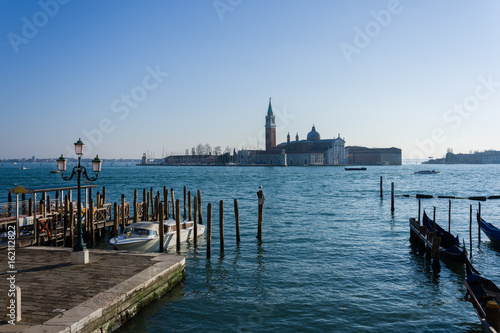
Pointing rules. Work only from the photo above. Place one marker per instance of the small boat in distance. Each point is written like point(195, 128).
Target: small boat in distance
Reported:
point(427, 172)
point(55, 171)
point(144, 236)
point(480, 292)
point(450, 245)
point(355, 169)
point(490, 230)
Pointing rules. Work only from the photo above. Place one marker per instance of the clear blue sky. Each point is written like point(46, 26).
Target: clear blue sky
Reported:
point(135, 76)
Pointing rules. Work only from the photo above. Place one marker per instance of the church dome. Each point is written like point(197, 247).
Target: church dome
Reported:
point(313, 135)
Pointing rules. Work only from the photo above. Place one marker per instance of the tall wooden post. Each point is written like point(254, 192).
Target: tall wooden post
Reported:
point(167, 203)
point(449, 215)
point(145, 206)
point(9, 206)
point(195, 219)
point(124, 223)
point(152, 203)
point(237, 220)
point(172, 198)
point(221, 225)
point(209, 230)
point(381, 187)
point(115, 222)
point(136, 207)
point(419, 209)
point(185, 202)
point(434, 218)
point(479, 226)
point(392, 196)
point(161, 227)
point(470, 232)
point(103, 196)
point(190, 215)
point(260, 196)
point(178, 223)
point(200, 213)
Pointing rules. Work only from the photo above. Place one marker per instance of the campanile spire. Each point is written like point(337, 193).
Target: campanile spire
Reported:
point(270, 128)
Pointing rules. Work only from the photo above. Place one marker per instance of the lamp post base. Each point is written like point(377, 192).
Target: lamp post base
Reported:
point(80, 257)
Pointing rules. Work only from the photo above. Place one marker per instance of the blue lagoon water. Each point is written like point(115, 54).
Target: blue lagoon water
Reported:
point(333, 257)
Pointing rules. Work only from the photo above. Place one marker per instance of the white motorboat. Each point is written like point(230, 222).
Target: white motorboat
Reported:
point(144, 236)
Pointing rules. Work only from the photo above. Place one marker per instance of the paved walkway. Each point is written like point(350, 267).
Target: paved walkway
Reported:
point(50, 285)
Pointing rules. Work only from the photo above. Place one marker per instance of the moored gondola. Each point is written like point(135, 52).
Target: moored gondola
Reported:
point(450, 247)
point(484, 296)
point(489, 229)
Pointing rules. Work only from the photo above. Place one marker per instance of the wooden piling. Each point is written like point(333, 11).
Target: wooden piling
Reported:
point(209, 230)
point(172, 198)
point(479, 226)
point(190, 215)
point(166, 202)
point(136, 207)
point(419, 209)
point(434, 218)
point(178, 223)
point(260, 196)
point(124, 224)
point(161, 227)
point(185, 202)
point(381, 187)
point(449, 216)
point(103, 195)
point(221, 225)
point(195, 215)
point(392, 196)
point(470, 232)
point(115, 222)
point(152, 203)
point(145, 207)
point(237, 220)
point(200, 213)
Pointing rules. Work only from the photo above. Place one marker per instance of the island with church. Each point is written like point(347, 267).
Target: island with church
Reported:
point(312, 151)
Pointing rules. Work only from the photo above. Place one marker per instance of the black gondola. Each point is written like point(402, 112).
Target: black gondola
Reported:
point(480, 291)
point(450, 246)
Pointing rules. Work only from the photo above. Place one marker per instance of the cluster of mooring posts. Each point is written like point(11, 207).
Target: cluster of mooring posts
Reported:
point(429, 196)
point(428, 243)
point(52, 222)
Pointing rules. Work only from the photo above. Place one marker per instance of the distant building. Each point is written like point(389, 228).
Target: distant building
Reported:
point(486, 157)
point(312, 151)
point(374, 156)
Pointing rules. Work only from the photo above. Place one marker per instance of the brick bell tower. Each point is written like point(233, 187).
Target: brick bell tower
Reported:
point(270, 128)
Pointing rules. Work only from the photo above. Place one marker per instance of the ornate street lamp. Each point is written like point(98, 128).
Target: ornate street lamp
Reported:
point(79, 171)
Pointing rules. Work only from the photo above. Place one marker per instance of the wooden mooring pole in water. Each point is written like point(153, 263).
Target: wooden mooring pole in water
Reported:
point(392, 196)
point(470, 232)
point(381, 187)
point(195, 218)
point(237, 220)
point(449, 215)
point(173, 203)
point(178, 224)
point(260, 196)
point(221, 225)
point(190, 215)
point(200, 213)
point(185, 202)
point(479, 225)
point(161, 227)
point(209, 230)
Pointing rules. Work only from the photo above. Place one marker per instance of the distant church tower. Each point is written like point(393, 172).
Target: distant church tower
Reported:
point(270, 128)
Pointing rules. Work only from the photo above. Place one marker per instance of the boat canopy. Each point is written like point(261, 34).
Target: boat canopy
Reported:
point(144, 225)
